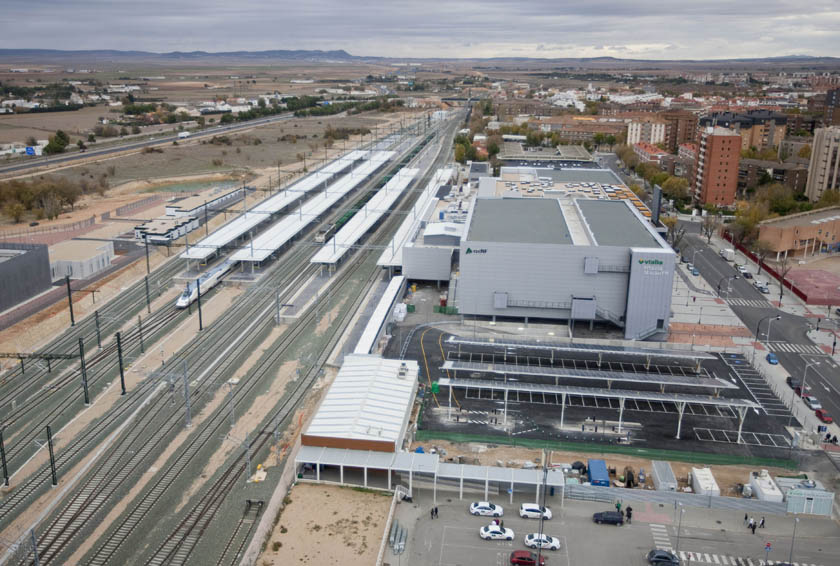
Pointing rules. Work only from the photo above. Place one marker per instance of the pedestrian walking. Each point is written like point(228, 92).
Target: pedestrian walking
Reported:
point(746, 518)
point(751, 524)
point(618, 506)
point(761, 523)
point(753, 528)
point(629, 515)
point(432, 513)
point(436, 512)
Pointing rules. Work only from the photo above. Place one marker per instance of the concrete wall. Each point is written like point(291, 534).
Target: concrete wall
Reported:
point(25, 275)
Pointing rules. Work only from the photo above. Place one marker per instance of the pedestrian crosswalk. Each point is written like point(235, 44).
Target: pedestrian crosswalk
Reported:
point(793, 348)
point(661, 539)
point(688, 557)
point(754, 303)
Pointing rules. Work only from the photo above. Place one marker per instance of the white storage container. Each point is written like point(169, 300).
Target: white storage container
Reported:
point(764, 487)
point(704, 482)
point(663, 476)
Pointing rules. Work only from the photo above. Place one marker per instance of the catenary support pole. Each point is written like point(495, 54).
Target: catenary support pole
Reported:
point(35, 560)
point(52, 456)
point(198, 300)
point(148, 301)
point(70, 300)
point(98, 335)
point(120, 360)
point(146, 242)
point(140, 331)
point(84, 370)
point(3, 460)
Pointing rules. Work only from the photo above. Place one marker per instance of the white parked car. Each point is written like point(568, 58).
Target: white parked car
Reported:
point(534, 511)
point(486, 509)
point(812, 402)
point(536, 540)
point(495, 532)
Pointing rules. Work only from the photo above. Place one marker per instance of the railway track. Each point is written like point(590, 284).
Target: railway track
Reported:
point(241, 534)
point(113, 315)
point(89, 499)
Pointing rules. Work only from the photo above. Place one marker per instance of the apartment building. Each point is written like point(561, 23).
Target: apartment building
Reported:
point(648, 130)
point(824, 167)
point(716, 168)
point(648, 153)
point(761, 129)
point(681, 128)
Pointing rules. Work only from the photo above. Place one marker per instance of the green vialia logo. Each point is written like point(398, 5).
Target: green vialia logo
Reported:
point(642, 261)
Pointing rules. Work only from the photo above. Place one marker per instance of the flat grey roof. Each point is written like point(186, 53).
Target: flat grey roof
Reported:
point(530, 221)
point(613, 224)
point(581, 175)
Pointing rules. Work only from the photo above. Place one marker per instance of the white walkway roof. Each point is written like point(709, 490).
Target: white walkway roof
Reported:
point(368, 339)
point(428, 464)
point(370, 399)
point(275, 237)
point(263, 210)
point(365, 218)
point(392, 255)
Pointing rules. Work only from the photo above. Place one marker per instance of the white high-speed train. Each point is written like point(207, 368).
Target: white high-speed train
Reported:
point(207, 281)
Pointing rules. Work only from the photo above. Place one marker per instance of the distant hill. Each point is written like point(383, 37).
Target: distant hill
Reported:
point(56, 56)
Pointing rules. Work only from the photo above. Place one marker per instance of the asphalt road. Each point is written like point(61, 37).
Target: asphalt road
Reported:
point(823, 380)
point(64, 159)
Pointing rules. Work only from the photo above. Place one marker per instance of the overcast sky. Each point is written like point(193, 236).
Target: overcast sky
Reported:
point(654, 29)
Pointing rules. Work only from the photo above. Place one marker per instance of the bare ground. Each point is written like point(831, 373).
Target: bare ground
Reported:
point(328, 525)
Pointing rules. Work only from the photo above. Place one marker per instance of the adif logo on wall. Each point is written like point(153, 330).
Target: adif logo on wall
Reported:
point(476, 251)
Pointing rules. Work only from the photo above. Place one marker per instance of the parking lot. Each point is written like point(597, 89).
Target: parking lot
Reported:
point(707, 536)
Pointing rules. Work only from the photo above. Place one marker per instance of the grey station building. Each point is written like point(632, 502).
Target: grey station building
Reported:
point(574, 259)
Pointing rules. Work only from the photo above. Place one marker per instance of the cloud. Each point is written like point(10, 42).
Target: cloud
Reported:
point(434, 28)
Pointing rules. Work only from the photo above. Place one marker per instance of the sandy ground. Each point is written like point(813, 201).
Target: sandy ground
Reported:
point(328, 525)
point(17, 127)
point(831, 264)
point(727, 477)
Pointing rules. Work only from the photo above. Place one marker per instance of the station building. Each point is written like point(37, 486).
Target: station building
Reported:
point(574, 259)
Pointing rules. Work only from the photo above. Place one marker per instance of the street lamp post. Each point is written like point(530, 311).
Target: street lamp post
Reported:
point(757, 326)
point(793, 539)
point(805, 374)
point(722, 279)
point(679, 529)
point(694, 254)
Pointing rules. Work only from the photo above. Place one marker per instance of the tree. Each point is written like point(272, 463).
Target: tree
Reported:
point(709, 226)
point(675, 188)
point(460, 153)
point(805, 152)
point(14, 210)
point(761, 249)
point(670, 222)
point(828, 198)
point(91, 138)
point(62, 138)
point(135, 129)
point(31, 141)
point(783, 268)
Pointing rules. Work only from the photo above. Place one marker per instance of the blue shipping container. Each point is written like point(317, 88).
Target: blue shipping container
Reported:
point(598, 474)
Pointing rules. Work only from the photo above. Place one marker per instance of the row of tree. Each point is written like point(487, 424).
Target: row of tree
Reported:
point(45, 197)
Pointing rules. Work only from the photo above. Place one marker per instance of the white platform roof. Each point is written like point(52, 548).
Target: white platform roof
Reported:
point(392, 255)
point(368, 339)
point(333, 250)
point(275, 237)
point(262, 211)
point(369, 399)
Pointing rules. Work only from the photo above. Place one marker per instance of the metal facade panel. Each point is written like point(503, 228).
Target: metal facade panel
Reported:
point(427, 263)
point(542, 274)
point(583, 308)
point(650, 290)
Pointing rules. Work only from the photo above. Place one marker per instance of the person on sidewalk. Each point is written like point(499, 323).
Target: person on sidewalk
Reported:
point(751, 524)
point(752, 527)
point(629, 515)
point(436, 512)
point(761, 523)
point(432, 513)
point(746, 518)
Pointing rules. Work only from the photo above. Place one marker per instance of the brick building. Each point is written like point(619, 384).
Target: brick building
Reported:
point(681, 128)
point(648, 153)
point(802, 234)
point(792, 175)
point(716, 168)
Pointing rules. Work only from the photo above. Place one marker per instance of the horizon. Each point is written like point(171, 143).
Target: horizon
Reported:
point(542, 29)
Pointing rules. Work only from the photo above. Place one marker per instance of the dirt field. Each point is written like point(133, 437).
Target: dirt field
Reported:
point(727, 477)
point(18, 127)
point(328, 525)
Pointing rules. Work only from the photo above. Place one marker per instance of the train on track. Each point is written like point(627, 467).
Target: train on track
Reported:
point(205, 282)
